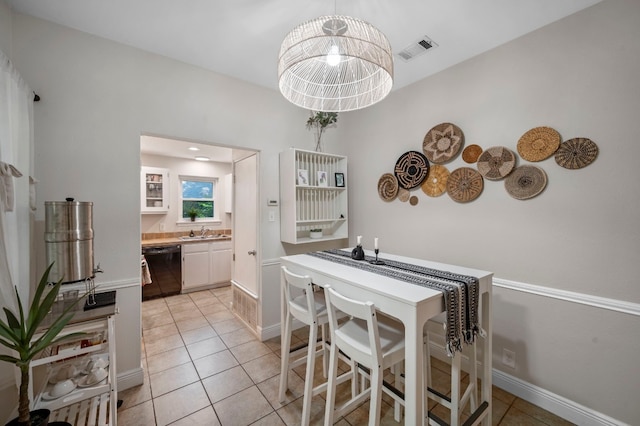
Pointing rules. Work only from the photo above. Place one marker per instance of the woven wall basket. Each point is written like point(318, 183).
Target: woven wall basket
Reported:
point(442, 143)
point(525, 182)
point(538, 143)
point(464, 184)
point(387, 187)
point(576, 153)
point(471, 153)
point(496, 162)
point(436, 182)
point(411, 169)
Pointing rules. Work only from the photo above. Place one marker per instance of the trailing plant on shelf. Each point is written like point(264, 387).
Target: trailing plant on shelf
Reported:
point(17, 333)
point(319, 121)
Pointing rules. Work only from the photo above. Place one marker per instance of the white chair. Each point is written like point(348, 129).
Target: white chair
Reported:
point(373, 341)
point(310, 309)
point(455, 402)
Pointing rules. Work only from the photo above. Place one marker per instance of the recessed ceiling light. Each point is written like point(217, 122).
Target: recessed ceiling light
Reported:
point(201, 158)
point(193, 148)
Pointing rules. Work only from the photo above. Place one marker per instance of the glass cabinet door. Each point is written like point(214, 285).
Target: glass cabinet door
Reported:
point(154, 190)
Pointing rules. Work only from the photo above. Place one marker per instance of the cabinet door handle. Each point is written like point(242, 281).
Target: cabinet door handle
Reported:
point(252, 252)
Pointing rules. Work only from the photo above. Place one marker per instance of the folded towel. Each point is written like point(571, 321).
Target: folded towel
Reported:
point(146, 274)
point(7, 173)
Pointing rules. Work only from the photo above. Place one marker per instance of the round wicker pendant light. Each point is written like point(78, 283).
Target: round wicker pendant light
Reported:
point(334, 64)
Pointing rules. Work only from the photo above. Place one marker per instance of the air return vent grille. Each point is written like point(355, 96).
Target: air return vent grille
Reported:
point(417, 48)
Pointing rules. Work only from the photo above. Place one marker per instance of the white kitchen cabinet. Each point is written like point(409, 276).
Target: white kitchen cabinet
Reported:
point(154, 190)
point(91, 405)
point(205, 264)
point(310, 197)
point(195, 265)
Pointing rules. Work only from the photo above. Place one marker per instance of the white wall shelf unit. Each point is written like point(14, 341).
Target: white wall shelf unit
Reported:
point(309, 197)
point(88, 404)
point(154, 190)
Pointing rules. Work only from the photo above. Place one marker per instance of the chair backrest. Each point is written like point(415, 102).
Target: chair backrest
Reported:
point(350, 337)
point(303, 309)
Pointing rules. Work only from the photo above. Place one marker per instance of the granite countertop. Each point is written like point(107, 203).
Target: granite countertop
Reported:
point(169, 241)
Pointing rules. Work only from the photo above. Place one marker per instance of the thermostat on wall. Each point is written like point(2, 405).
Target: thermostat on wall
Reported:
point(272, 202)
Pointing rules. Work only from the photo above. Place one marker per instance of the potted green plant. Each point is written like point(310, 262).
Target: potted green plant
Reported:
point(319, 121)
point(193, 213)
point(17, 333)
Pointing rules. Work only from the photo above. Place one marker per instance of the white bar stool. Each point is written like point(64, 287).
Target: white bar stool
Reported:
point(455, 402)
point(372, 341)
point(310, 309)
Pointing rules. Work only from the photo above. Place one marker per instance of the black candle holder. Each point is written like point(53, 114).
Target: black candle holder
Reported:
point(376, 262)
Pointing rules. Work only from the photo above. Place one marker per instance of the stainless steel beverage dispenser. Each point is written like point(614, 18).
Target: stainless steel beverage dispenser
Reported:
point(69, 240)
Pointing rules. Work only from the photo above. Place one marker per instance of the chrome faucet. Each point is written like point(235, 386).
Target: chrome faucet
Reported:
point(203, 231)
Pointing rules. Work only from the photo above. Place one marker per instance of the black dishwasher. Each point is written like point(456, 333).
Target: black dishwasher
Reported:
point(165, 266)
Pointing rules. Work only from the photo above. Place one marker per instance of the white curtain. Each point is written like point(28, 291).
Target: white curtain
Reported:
point(16, 161)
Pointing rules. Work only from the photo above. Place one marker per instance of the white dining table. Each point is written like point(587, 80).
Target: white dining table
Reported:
point(413, 305)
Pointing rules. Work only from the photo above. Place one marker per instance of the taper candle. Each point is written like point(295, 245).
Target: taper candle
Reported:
point(359, 239)
point(375, 243)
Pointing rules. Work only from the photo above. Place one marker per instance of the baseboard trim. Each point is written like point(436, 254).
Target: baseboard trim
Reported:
point(616, 305)
point(551, 402)
point(130, 378)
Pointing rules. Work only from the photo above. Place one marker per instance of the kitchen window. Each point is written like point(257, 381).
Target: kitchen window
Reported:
point(198, 197)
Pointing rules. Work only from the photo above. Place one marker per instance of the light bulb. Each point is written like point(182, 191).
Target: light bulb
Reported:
point(333, 57)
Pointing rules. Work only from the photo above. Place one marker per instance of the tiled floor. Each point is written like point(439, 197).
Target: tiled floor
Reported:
point(202, 366)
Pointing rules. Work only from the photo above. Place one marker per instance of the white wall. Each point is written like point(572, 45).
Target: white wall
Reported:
point(178, 167)
point(579, 76)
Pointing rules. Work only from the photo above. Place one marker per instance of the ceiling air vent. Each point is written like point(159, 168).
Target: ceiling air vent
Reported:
point(417, 48)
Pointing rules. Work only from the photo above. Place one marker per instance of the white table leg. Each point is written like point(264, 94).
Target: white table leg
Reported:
point(413, 391)
point(487, 354)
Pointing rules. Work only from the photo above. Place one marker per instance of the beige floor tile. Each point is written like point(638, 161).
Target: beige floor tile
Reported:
point(237, 337)
point(260, 369)
point(168, 359)
point(204, 417)
point(235, 410)
point(206, 347)
point(176, 300)
point(198, 334)
point(517, 417)
point(191, 324)
point(135, 395)
point(291, 413)
point(272, 419)
point(250, 350)
point(173, 378)
point(502, 395)
point(162, 331)
point(180, 403)
point(224, 384)
point(539, 413)
point(141, 414)
point(360, 415)
point(187, 315)
point(213, 307)
point(498, 411)
point(222, 315)
point(270, 388)
point(185, 306)
point(273, 344)
point(156, 321)
point(226, 300)
point(221, 291)
point(213, 364)
point(224, 327)
point(160, 344)
point(149, 311)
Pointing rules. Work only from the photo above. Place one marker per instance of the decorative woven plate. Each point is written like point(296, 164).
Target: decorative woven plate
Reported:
point(464, 184)
point(403, 195)
point(413, 200)
point(496, 162)
point(576, 153)
point(538, 143)
point(442, 143)
point(471, 153)
point(436, 182)
point(411, 169)
point(387, 187)
point(525, 182)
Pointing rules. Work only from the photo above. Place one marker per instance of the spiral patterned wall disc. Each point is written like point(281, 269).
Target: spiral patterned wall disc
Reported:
point(576, 153)
point(436, 182)
point(411, 169)
point(471, 153)
point(387, 187)
point(464, 184)
point(538, 143)
point(496, 162)
point(525, 182)
point(442, 143)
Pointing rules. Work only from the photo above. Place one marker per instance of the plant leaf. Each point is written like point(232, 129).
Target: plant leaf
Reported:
point(38, 295)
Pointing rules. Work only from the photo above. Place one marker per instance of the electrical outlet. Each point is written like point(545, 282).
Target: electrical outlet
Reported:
point(272, 217)
point(161, 227)
point(508, 358)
